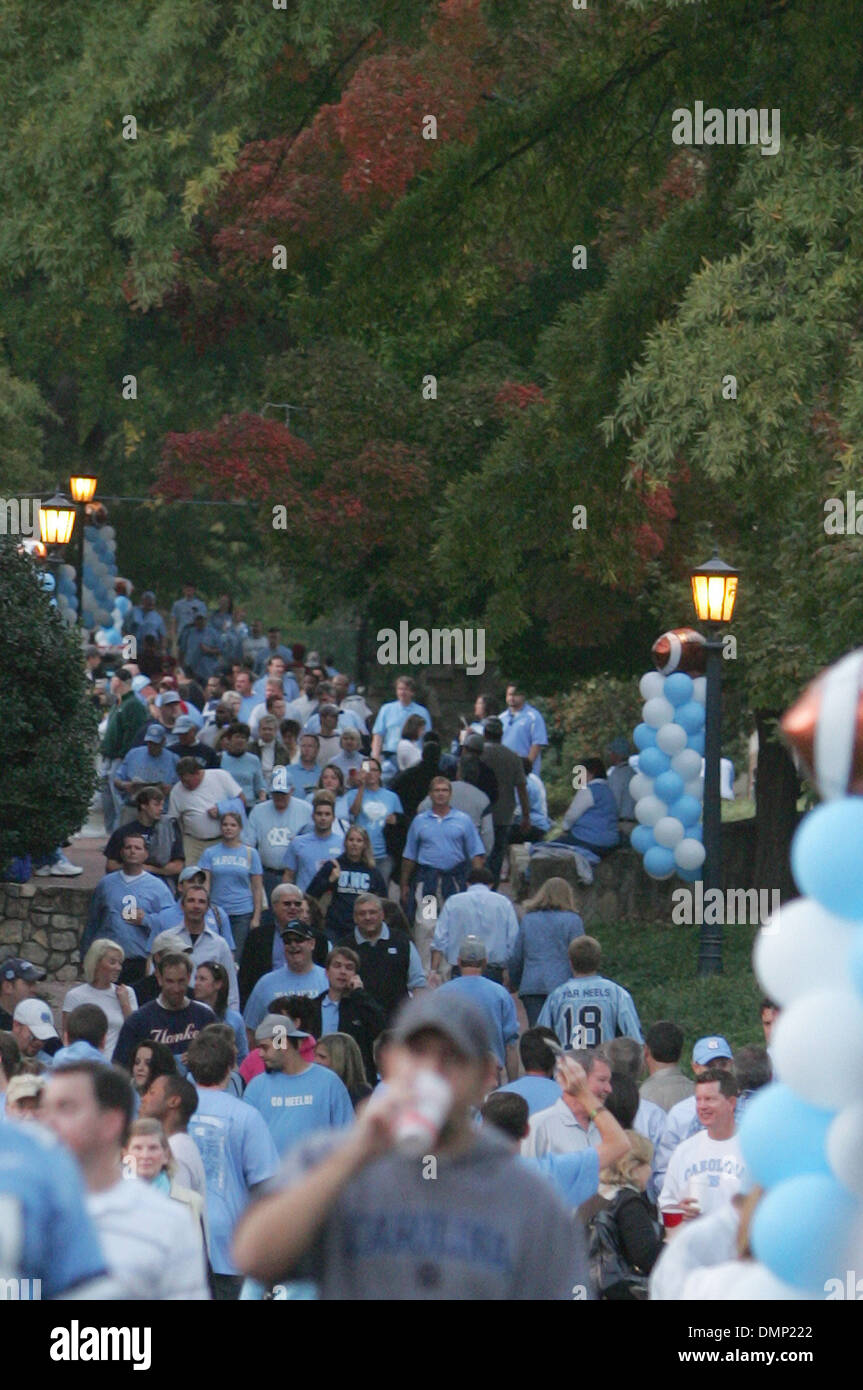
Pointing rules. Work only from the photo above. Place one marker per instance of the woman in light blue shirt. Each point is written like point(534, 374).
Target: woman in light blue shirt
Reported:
point(333, 780)
point(540, 959)
point(234, 879)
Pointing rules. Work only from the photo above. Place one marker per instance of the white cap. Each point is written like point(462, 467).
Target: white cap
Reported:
point(37, 1017)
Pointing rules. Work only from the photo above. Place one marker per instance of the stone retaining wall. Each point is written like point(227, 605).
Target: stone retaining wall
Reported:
point(43, 925)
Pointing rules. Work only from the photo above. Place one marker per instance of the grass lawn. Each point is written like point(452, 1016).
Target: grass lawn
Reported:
point(657, 964)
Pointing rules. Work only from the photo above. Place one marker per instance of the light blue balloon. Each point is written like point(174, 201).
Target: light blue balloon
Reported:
point(691, 875)
point(783, 1136)
point(123, 603)
point(642, 838)
point(678, 688)
point(825, 856)
point(690, 716)
point(801, 1230)
point(855, 962)
point(659, 862)
point(643, 736)
point(687, 810)
point(653, 761)
point(668, 786)
point(695, 832)
point(696, 741)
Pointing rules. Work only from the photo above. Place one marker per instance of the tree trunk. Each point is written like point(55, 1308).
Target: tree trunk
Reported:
point(777, 787)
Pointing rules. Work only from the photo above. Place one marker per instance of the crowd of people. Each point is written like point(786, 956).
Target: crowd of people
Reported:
point(317, 1052)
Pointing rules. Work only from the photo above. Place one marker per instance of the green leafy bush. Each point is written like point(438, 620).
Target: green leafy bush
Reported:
point(49, 725)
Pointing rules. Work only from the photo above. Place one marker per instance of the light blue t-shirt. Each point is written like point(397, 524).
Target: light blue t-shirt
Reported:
point(303, 779)
point(271, 831)
point(376, 806)
point(230, 885)
point(497, 1005)
point(306, 853)
point(217, 921)
point(391, 720)
point(115, 895)
point(539, 1091)
point(139, 766)
point(523, 728)
point(589, 1011)
point(282, 981)
point(237, 1152)
point(576, 1176)
point(246, 770)
point(294, 1106)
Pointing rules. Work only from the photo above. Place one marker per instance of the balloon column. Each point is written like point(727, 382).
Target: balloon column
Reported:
point(802, 1136)
point(668, 788)
point(100, 602)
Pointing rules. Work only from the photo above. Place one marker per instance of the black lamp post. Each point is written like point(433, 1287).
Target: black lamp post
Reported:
point(82, 487)
point(714, 590)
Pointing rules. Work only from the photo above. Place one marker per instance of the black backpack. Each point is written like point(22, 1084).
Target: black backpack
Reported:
point(613, 1277)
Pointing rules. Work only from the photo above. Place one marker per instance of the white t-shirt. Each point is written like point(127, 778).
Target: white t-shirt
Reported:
point(107, 1001)
point(693, 1246)
point(153, 1246)
point(190, 808)
point(408, 754)
point(190, 1168)
point(710, 1170)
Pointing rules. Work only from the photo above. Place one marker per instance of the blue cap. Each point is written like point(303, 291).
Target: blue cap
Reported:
point(156, 733)
point(706, 1050)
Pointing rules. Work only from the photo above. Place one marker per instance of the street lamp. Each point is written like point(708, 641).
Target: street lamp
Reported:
point(56, 520)
point(82, 487)
point(714, 591)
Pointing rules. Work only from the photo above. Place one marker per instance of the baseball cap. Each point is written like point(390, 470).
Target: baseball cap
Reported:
point(167, 697)
point(474, 741)
point(168, 941)
point(15, 969)
point(277, 1026)
point(139, 683)
point(281, 781)
point(457, 1018)
point(189, 872)
point(185, 724)
point(37, 1017)
point(155, 734)
point(472, 951)
point(24, 1087)
point(297, 928)
point(706, 1050)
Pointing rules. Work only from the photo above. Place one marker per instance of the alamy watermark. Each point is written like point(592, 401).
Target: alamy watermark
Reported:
point(732, 127)
point(19, 516)
point(436, 646)
point(725, 907)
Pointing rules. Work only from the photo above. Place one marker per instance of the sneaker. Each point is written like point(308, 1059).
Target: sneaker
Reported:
point(45, 871)
point(65, 867)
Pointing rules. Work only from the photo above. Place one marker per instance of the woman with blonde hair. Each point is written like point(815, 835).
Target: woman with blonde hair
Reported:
point(540, 959)
point(341, 1053)
point(624, 1230)
point(102, 965)
point(352, 873)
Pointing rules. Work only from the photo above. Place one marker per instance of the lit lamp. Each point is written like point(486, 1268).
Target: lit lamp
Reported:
point(82, 486)
point(56, 520)
point(714, 590)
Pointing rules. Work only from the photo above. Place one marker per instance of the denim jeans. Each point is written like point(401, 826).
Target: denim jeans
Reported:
point(240, 927)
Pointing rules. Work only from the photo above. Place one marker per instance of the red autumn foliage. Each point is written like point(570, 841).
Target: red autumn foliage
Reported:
point(514, 395)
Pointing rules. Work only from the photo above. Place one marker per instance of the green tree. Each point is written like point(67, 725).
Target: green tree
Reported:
point(48, 720)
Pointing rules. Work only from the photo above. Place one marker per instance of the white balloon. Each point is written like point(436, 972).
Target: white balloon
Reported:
point(695, 787)
point(699, 691)
point(657, 712)
point(687, 764)
point(640, 786)
point(845, 1147)
point(801, 948)
point(689, 854)
point(649, 810)
point(671, 739)
point(651, 685)
point(668, 831)
point(817, 1047)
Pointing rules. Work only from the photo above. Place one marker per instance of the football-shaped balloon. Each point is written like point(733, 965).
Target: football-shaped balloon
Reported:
point(681, 649)
point(825, 727)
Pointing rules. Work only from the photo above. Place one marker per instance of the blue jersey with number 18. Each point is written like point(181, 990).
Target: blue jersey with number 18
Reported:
point(589, 1011)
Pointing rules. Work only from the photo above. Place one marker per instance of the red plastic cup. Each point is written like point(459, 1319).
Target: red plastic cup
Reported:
point(672, 1216)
